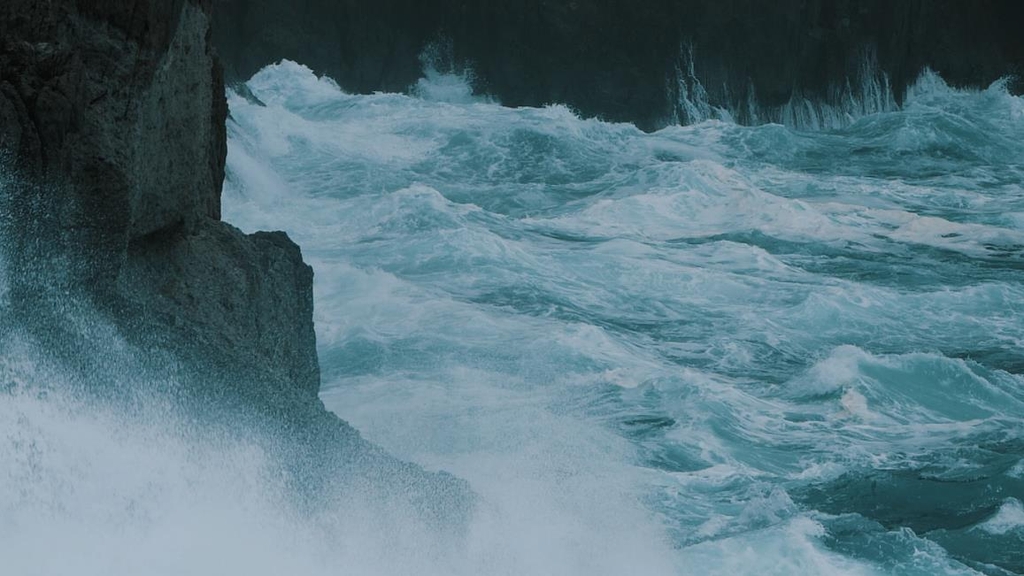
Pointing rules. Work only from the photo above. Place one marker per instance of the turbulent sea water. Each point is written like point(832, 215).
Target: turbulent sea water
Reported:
point(713, 349)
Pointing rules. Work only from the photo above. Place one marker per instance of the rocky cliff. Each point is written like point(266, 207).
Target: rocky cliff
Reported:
point(615, 58)
point(112, 122)
point(115, 115)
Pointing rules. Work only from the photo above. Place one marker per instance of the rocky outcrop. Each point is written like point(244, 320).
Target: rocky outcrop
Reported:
point(113, 144)
point(115, 113)
point(616, 58)
point(120, 106)
point(246, 298)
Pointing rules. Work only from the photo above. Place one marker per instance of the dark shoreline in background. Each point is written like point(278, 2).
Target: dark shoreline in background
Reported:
point(615, 58)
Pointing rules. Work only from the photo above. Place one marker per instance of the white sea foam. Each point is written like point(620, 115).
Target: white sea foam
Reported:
point(1009, 518)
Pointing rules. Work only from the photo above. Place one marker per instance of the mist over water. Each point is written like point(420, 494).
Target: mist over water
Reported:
point(713, 349)
point(104, 471)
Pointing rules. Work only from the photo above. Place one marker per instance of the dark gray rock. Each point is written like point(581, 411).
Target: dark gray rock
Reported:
point(115, 114)
point(246, 296)
point(616, 58)
point(120, 106)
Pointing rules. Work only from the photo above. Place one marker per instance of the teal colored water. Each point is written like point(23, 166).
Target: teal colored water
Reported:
point(710, 349)
point(714, 349)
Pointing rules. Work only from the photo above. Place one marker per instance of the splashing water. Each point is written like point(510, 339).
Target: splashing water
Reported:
point(865, 93)
point(713, 349)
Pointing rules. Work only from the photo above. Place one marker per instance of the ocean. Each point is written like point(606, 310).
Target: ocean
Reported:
point(786, 348)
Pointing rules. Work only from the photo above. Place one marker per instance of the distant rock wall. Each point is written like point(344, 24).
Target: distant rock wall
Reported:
point(614, 58)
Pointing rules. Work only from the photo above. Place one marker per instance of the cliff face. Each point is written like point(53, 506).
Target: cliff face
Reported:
point(115, 111)
point(112, 120)
point(92, 95)
point(613, 58)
